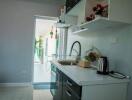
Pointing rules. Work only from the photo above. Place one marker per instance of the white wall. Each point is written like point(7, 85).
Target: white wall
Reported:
point(115, 44)
point(16, 37)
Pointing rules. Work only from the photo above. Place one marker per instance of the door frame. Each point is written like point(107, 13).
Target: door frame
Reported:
point(33, 39)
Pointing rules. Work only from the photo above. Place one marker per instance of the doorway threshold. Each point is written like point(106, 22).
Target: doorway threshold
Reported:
point(41, 85)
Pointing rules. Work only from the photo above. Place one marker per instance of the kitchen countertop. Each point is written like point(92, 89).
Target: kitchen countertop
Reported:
point(86, 76)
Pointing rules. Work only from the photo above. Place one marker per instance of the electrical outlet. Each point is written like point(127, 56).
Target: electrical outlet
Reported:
point(114, 40)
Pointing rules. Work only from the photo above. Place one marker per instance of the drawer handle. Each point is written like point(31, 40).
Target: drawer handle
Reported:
point(69, 83)
point(68, 93)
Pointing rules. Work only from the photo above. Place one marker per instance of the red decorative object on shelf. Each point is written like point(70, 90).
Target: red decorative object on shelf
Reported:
point(101, 10)
point(91, 17)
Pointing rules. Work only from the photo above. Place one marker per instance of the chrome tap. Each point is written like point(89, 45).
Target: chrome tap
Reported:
point(79, 53)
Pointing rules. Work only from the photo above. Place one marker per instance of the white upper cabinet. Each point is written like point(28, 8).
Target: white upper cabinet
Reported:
point(118, 10)
point(116, 14)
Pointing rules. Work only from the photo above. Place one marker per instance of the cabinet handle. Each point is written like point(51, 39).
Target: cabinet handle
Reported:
point(68, 93)
point(69, 83)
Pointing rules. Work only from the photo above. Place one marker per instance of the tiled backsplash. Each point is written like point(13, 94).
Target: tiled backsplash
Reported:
point(115, 44)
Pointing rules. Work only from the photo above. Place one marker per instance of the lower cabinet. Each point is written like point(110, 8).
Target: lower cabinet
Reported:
point(66, 89)
point(71, 91)
point(58, 90)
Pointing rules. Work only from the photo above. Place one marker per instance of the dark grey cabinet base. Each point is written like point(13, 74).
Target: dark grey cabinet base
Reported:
point(66, 89)
point(59, 86)
point(68, 94)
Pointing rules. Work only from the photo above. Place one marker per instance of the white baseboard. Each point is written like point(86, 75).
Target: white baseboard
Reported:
point(15, 84)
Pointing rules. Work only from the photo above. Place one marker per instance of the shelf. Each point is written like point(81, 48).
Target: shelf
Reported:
point(94, 22)
point(61, 25)
point(102, 23)
point(99, 25)
point(80, 31)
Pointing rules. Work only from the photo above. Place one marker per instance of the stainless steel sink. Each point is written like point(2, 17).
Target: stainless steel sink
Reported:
point(67, 62)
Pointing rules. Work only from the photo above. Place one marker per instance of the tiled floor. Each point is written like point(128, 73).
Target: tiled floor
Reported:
point(42, 95)
point(16, 93)
point(23, 93)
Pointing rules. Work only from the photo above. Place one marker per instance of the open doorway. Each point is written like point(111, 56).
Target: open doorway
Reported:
point(45, 46)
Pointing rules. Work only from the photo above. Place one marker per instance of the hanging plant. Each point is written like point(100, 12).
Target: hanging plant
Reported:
point(51, 33)
point(56, 34)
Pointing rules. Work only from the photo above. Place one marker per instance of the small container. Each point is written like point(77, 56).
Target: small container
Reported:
point(84, 64)
point(103, 66)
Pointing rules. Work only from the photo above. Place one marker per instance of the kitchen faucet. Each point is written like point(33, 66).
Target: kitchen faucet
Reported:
point(79, 53)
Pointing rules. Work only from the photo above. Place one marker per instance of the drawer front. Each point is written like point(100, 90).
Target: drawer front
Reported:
point(67, 82)
point(68, 94)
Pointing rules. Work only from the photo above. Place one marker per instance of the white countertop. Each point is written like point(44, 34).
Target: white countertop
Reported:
point(87, 76)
